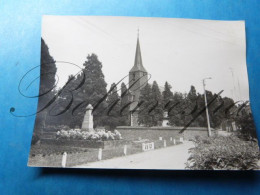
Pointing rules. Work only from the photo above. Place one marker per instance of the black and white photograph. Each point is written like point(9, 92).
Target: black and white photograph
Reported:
point(142, 93)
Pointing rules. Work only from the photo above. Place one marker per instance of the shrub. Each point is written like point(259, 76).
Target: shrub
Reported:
point(85, 135)
point(223, 153)
point(247, 126)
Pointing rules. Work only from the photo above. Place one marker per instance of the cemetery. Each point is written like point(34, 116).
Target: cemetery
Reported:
point(80, 146)
point(138, 117)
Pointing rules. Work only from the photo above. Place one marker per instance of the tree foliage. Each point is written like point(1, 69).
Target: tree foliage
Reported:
point(246, 124)
point(124, 105)
point(144, 117)
point(93, 90)
point(167, 94)
point(113, 109)
point(157, 106)
point(183, 108)
point(48, 70)
point(47, 86)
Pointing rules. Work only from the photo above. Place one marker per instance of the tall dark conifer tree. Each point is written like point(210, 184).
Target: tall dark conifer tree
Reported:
point(123, 108)
point(113, 109)
point(192, 95)
point(191, 108)
point(157, 99)
point(167, 96)
point(144, 118)
point(47, 83)
point(176, 110)
point(93, 90)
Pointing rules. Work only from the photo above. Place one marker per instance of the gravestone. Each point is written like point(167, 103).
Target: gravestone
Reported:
point(100, 154)
point(125, 149)
point(87, 124)
point(64, 159)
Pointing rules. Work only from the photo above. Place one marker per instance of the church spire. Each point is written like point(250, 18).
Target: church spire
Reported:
point(138, 64)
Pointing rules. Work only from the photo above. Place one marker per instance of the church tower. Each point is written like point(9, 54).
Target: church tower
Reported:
point(139, 78)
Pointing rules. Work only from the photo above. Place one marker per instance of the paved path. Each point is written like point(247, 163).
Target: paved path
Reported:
point(173, 157)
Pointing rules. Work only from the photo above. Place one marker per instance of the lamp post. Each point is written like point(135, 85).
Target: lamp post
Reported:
point(206, 104)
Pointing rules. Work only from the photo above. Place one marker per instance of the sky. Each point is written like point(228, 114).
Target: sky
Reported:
point(180, 51)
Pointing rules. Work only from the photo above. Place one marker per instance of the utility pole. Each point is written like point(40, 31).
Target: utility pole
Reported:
point(234, 86)
point(206, 104)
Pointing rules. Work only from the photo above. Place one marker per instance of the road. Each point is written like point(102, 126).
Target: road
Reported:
point(173, 157)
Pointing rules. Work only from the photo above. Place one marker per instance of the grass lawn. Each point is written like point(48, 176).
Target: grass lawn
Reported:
point(45, 156)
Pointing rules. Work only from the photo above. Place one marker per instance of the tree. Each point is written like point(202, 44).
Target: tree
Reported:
point(93, 90)
point(192, 95)
point(60, 105)
point(192, 107)
point(167, 95)
point(144, 118)
point(176, 109)
point(157, 106)
point(124, 101)
point(246, 123)
point(113, 109)
point(47, 85)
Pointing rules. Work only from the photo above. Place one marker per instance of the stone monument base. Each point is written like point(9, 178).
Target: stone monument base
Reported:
point(87, 124)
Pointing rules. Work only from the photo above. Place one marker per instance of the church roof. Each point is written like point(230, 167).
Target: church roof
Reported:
point(138, 66)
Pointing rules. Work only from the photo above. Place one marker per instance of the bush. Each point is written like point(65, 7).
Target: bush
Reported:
point(85, 135)
point(247, 126)
point(223, 153)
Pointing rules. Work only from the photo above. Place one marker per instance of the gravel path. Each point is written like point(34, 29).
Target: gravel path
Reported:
point(173, 157)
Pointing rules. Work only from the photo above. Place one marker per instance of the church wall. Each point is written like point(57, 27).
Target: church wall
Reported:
point(153, 133)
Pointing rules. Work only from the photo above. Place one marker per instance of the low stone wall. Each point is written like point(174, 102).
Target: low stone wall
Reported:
point(135, 134)
point(153, 133)
point(192, 133)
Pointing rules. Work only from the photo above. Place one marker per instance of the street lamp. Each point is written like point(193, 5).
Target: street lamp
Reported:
point(206, 104)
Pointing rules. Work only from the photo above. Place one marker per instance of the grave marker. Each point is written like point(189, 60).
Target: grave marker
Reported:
point(100, 154)
point(64, 159)
point(125, 149)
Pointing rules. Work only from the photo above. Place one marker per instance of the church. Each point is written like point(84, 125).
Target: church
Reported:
point(138, 77)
